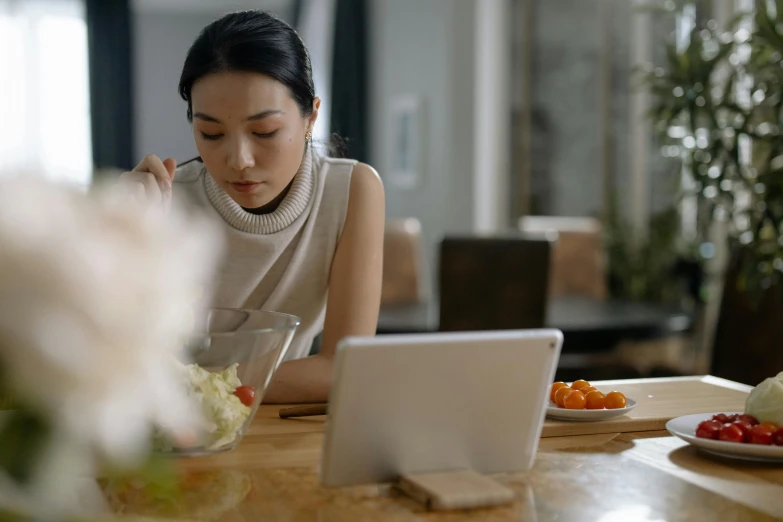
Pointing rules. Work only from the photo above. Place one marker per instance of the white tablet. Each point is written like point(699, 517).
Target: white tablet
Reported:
point(403, 404)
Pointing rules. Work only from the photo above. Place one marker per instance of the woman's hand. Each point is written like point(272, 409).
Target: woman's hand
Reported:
point(151, 181)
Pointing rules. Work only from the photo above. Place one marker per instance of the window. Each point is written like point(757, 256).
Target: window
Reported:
point(44, 90)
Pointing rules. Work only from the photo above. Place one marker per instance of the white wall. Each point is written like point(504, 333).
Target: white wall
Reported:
point(160, 45)
point(427, 50)
point(163, 31)
point(316, 28)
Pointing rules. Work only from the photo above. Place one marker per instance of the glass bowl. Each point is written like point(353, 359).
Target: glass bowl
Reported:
point(232, 347)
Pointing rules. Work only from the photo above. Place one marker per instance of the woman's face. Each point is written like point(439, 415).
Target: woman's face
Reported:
point(250, 134)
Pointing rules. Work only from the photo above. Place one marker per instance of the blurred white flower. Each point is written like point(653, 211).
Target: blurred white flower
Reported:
point(96, 297)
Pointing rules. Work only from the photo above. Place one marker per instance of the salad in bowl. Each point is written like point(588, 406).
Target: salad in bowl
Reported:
point(225, 402)
point(233, 360)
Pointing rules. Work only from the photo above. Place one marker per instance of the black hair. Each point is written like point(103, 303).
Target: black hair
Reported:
point(251, 41)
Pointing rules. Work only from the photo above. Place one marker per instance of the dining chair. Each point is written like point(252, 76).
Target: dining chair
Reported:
point(578, 257)
point(402, 263)
point(493, 282)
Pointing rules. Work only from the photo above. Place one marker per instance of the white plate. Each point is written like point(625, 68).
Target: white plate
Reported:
point(685, 428)
point(555, 412)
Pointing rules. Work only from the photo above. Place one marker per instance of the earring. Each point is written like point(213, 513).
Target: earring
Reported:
point(309, 136)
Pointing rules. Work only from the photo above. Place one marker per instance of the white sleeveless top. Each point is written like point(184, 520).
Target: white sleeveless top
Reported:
point(279, 261)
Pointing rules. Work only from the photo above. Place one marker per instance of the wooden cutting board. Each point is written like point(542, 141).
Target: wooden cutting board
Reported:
point(658, 401)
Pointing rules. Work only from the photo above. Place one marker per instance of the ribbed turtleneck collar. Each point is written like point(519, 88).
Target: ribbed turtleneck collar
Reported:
point(292, 206)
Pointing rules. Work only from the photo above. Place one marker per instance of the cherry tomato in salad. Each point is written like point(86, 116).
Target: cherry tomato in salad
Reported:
point(245, 394)
point(731, 433)
point(777, 437)
point(709, 429)
point(771, 426)
point(761, 434)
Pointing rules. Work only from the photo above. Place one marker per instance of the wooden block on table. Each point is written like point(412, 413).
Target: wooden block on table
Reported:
point(455, 490)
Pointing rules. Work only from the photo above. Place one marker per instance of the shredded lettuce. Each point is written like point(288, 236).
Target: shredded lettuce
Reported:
point(224, 413)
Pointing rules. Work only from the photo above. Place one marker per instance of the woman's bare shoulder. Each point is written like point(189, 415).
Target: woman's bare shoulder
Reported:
point(366, 181)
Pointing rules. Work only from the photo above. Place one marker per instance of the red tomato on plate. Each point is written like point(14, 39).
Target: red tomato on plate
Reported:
point(777, 437)
point(745, 427)
point(722, 418)
point(709, 429)
point(761, 434)
point(245, 394)
point(748, 418)
point(731, 433)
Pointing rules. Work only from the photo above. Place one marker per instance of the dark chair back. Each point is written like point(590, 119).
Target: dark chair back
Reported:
point(493, 283)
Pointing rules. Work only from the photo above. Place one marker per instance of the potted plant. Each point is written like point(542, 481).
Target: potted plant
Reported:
point(718, 106)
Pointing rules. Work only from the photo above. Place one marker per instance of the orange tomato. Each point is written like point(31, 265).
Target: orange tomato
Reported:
point(587, 389)
point(614, 400)
point(594, 400)
point(575, 400)
point(578, 385)
point(556, 386)
point(560, 395)
point(770, 425)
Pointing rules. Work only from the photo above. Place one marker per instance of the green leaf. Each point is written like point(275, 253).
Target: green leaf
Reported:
point(23, 439)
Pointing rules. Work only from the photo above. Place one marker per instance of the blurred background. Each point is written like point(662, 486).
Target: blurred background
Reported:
point(606, 167)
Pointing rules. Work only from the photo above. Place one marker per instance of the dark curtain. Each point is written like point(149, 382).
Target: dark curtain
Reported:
point(350, 78)
point(296, 13)
point(111, 82)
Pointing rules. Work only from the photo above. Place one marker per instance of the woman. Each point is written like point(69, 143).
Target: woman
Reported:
point(299, 226)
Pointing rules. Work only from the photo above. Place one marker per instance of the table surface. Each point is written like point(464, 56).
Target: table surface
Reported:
point(567, 314)
point(628, 477)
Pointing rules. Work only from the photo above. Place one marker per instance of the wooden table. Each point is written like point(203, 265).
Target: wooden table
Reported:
point(613, 476)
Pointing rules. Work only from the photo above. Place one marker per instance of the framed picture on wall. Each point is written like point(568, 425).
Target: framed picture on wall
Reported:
point(406, 137)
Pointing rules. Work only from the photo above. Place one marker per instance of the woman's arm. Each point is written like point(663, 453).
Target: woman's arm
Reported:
point(354, 292)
